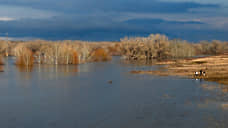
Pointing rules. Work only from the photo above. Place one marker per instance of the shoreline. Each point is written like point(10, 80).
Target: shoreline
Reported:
point(216, 68)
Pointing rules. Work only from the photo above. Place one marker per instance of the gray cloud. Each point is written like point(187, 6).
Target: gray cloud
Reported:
point(90, 28)
point(111, 20)
point(18, 12)
point(110, 5)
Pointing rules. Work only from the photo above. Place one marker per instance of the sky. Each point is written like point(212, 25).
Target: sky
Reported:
point(110, 20)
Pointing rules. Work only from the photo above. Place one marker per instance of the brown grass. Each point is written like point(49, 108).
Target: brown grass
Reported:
point(23, 68)
point(216, 68)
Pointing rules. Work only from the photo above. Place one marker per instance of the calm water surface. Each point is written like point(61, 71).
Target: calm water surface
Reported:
point(81, 97)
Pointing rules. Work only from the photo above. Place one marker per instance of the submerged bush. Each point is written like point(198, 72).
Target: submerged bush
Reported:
point(24, 57)
point(1, 60)
point(58, 54)
point(114, 50)
point(99, 54)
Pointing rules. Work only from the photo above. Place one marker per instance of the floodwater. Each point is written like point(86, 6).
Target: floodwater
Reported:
point(106, 95)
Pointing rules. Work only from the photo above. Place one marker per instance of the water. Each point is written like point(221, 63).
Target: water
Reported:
point(81, 97)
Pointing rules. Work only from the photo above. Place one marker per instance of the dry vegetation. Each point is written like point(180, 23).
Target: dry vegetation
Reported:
point(1, 61)
point(24, 56)
point(178, 56)
point(216, 68)
point(59, 52)
point(99, 54)
point(153, 47)
point(160, 47)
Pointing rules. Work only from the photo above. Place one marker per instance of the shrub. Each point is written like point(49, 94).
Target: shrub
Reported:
point(99, 54)
point(114, 50)
point(24, 57)
point(155, 47)
point(75, 57)
point(1, 60)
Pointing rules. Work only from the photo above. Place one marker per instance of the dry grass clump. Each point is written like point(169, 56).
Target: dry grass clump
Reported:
point(99, 54)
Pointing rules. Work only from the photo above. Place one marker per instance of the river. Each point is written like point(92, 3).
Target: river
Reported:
point(105, 95)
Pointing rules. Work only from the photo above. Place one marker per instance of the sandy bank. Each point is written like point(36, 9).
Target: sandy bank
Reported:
point(216, 68)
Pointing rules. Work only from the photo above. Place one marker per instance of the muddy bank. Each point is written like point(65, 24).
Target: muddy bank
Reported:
point(216, 68)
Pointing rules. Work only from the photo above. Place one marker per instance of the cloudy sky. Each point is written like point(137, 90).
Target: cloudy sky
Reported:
point(191, 20)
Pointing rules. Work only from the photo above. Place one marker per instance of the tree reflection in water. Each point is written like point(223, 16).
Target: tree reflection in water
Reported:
point(48, 71)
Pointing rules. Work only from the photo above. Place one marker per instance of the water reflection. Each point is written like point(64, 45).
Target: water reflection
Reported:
point(216, 98)
point(65, 69)
point(138, 62)
point(22, 68)
point(59, 96)
point(225, 89)
point(47, 71)
point(55, 71)
point(215, 87)
point(1, 68)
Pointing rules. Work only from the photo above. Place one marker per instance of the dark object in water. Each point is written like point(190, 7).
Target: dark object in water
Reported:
point(110, 82)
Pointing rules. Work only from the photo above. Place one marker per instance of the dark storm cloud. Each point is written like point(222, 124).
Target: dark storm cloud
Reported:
point(109, 5)
point(87, 29)
point(109, 19)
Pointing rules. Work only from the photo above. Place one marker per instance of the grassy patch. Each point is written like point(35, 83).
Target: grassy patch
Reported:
point(215, 72)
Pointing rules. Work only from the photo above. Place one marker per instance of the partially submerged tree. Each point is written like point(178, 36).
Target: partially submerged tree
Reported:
point(99, 54)
point(24, 56)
